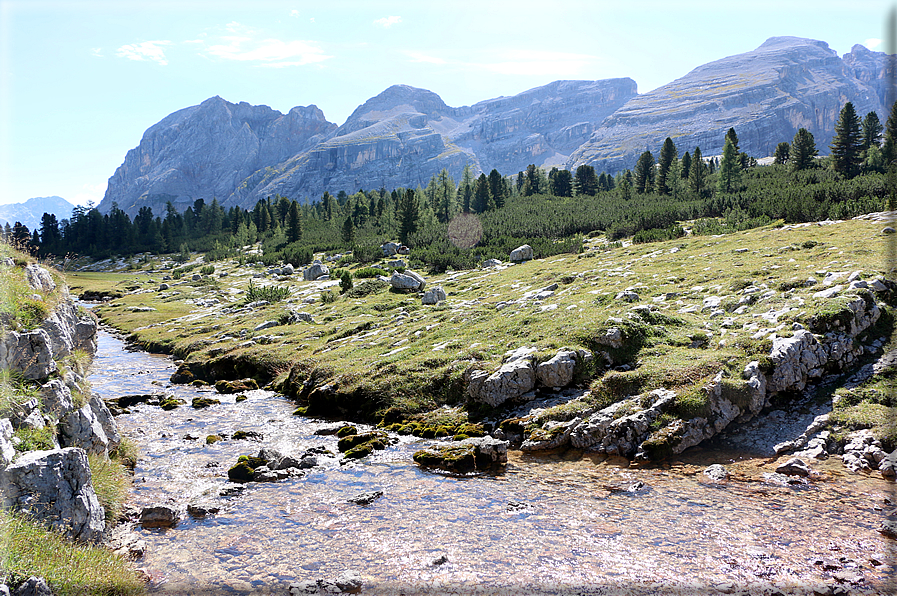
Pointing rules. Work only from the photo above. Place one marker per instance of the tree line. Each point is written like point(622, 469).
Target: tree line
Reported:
point(494, 212)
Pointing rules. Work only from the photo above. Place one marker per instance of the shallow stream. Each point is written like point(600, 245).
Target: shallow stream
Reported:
point(550, 524)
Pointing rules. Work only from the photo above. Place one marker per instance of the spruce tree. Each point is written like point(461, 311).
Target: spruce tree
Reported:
point(730, 169)
point(348, 231)
point(803, 151)
point(668, 154)
point(644, 173)
point(563, 184)
point(889, 148)
point(585, 182)
point(686, 165)
point(497, 189)
point(481, 194)
point(294, 223)
point(847, 146)
point(871, 131)
point(697, 173)
point(409, 214)
point(782, 151)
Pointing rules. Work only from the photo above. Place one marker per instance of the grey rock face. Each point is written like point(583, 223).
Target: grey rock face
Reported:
point(558, 371)
point(521, 253)
point(797, 359)
point(39, 278)
point(315, 271)
point(81, 428)
point(56, 398)
point(7, 449)
point(34, 586)
point(434, 295)
point(766, 94)
point(407, 281)
point(55, 487)
point(209, 150)
point(513, 379)
point(31, 353)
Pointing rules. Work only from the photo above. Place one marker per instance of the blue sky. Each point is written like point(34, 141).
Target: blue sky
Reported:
point(80, 81)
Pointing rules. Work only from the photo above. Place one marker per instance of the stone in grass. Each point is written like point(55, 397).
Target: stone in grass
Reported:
point(33, 586)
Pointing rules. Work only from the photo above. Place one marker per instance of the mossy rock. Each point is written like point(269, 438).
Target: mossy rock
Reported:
point(471, 430)
point(428, 432)
point(199, 383)
point(204, 402)
point(456, 458)
point(300, 411)
point(460, 437)
point(182, 375)
point(240, 398)
point(241, 472)
point(350, 441)
point(171, 403)
point(235, 386)
point(442, 431)
point(391, 416)
point(406, 429)
point(360, 451)
point(252, 461)
point(212, 439)
point(346, 431)
point(244, 435)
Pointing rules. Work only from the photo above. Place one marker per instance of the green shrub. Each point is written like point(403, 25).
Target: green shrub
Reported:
point(272, 294)
point(368, 272)
point(345, 282)
point(207, 270)
point(328, 297)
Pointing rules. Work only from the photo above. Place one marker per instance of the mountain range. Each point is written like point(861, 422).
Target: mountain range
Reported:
point(239, 153)
point(31, 211)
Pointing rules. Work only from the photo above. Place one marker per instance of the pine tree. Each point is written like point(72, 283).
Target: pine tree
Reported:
point(782, 151)
point(733, 137)
point(409, 214)
point(697, 173)
point(803, 151)
point(847, 146)
point(294, 223)
point(730, 169)
point(585, 182)
point(481, 194)
point(562, 185)
point(466, 189)
point(668, 154)
point(871, 131)
point(644, 173)
point(497, 189)
point(348, 231)
point(686, 165)
point(889, 148)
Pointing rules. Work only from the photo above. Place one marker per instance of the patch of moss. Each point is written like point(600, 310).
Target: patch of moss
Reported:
point(223, 386)
point(212, 439)
point(170, 403)
point(346, 431)
point(241, 472)
point(359, 451)
point(242, 397)
point(350, 441)
point(300, 411)
point(204, 402)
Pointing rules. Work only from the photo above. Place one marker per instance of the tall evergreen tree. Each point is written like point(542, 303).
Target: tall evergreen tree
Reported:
point(348, 231)
point(644, 173)
point(871, 131)
point(466, 189)
point(889, 148)
point(847, 145)
point(497, 189)
point(783, 150)
point(409, 214)
point(697, 174)
point(562, 185)
point(686, 165)
point(481, 194)
point(733, 137)
point(730, 169)
point(803, 151)
point(294, 223)
point(585, 181)
point(668, 154)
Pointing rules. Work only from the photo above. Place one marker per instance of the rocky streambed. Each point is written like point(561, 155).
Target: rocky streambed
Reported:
point(563, 522)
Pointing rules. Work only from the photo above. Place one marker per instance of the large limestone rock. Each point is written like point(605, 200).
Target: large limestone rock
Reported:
point(39, 278)
point(469, 455)
point(407, 281)
point(434, 295)
point(81, 428)
point(558, 371)
point(521, 253)
point(67, 331)
point(30, 353)
point(514, 378)
point(796, 359)
point(315, 271)
point(7, 449)
point(614, 432)
point(55, 487)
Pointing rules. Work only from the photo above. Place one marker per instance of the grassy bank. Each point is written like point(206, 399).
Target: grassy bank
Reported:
point(378, 351)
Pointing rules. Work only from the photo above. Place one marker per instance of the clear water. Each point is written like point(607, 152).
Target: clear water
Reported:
point(550, 524)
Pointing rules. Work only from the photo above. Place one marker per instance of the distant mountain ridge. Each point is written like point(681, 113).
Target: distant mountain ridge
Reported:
point(31, 211)
point(240, 153)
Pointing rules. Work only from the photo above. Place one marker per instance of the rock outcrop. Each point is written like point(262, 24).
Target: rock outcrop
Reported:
point(55, 487)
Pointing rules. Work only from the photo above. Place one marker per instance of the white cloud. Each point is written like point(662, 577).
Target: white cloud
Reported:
point(872, 43)
point(294, 13)
point(144, 51)
point(387, 22)
point(274, 53)
point(98, 52)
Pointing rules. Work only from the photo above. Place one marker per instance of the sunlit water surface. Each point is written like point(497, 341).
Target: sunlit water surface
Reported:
point(550, 524)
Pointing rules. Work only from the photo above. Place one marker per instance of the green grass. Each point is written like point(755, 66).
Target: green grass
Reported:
point(382, 350)
point(111, 483)
point(27, 549)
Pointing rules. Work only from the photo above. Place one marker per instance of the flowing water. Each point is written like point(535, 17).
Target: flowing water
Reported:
point(550, 524)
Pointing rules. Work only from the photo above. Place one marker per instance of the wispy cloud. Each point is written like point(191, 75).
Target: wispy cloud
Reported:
point(872, 43)
point(294, 13)
point(146, 51)
point(98, 52)
point(250, 45)
point(387, 22)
